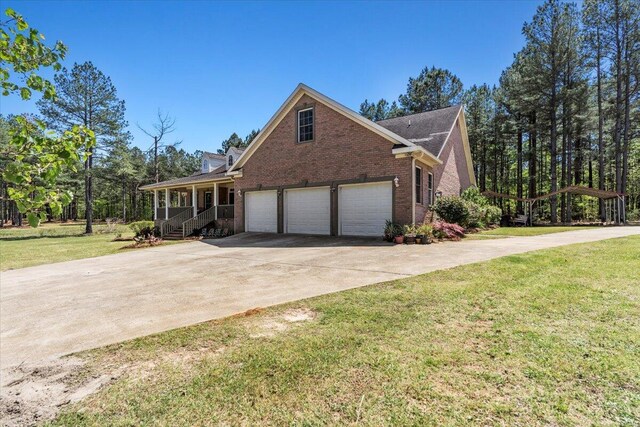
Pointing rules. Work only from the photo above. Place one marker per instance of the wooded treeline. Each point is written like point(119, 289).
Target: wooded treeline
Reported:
point(107, 184)
point(566, 112)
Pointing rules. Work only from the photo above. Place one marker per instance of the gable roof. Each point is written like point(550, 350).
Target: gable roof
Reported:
point(429, 130)
point(295, 96)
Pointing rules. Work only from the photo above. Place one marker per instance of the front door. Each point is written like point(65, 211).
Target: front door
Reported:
point(207, 200)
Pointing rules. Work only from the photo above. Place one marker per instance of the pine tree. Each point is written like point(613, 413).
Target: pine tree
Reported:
point(434, 88)
point(87, 97)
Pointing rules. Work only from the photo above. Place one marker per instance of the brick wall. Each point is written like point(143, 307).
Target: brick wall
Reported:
point(341, 150)
point(452, 175)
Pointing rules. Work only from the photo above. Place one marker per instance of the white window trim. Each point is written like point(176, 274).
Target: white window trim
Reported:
point(313, 122)
point(430, 188)
point(415, 185)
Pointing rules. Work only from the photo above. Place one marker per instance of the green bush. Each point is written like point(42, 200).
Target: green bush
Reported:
point(141, 228)
point(452, 209)
point(476, 216)
point(472, 194)
point(493, 215)
point(471, 209)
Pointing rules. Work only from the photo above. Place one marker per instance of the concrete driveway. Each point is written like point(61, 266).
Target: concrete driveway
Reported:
point(61, 308)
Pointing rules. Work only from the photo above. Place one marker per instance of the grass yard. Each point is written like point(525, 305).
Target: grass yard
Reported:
point(25, 247)
point(532, 231)
point(544, 338)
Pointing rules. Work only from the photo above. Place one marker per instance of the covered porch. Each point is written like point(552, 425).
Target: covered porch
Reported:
point(206, 196)
point(180, 208)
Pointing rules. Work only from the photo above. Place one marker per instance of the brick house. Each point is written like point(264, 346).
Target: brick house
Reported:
point(319, 168)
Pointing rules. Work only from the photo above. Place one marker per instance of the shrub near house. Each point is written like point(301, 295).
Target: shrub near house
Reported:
point(469, 210)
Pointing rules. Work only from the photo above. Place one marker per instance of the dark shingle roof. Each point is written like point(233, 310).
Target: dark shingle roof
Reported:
point(220, 172)
point(214, 155)
point(428, 130)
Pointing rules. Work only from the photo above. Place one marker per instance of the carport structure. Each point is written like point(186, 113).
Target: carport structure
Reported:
point(615, 203)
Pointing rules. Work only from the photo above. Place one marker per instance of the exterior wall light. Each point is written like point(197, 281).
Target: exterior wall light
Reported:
point(396, 182)
point(240, 194)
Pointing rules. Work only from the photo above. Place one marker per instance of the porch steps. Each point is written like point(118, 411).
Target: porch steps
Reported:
point(175, 234)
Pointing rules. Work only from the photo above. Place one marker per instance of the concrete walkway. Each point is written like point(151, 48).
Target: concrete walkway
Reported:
point(55, 309)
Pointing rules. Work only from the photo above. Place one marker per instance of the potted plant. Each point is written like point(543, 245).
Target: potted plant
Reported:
point(426, 232)
point(389, 230)
point(410, 234)
point(398, 235)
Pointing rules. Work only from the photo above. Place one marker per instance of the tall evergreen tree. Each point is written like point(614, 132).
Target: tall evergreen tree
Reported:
point(380, 110)
point(87, 97)
point(546, 54)
point(434, 88)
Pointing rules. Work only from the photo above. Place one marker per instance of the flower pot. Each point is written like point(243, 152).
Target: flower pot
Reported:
point(399, 240)
point(418, 240)
point(410, 240)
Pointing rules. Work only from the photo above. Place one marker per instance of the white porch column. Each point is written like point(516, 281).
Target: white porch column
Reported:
point(166, 203)
point(215, 200)
point(194, 200)
point(155, 204)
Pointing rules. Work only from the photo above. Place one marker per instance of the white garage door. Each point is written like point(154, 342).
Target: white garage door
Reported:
point(364, 208)
point(307, 211)
point(261, 211)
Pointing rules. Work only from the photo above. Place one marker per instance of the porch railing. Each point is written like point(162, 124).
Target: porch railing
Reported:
point(199, 221)
point(175, 221)
point(225, 211)
point(173, 211)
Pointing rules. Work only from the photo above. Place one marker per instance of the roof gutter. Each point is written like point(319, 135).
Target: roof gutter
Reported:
point(418, 153)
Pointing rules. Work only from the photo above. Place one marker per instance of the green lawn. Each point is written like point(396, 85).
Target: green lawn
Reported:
point(25, 247)
point(544, 338)
point(532, 231)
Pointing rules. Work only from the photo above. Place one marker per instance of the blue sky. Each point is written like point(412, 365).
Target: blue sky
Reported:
point(223, 67)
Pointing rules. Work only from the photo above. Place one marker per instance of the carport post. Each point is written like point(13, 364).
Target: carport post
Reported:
point(166, 203)
point(155, 204)
point(194, 200)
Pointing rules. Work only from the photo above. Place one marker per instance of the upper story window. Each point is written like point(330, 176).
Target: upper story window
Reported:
point(305, 125)
point(205, 166)
point(230, 161)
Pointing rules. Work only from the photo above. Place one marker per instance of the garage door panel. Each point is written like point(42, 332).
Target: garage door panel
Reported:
point(364, 208)
point(261, 211)
point(308, 211)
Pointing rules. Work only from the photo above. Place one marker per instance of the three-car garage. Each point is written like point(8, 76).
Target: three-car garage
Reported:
point(359, 209)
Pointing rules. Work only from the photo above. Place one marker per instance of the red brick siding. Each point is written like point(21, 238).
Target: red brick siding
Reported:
point(452, 175)
point(341, 150)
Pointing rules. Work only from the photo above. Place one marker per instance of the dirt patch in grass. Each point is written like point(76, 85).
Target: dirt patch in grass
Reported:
point(35, 392)
point(269, 326)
